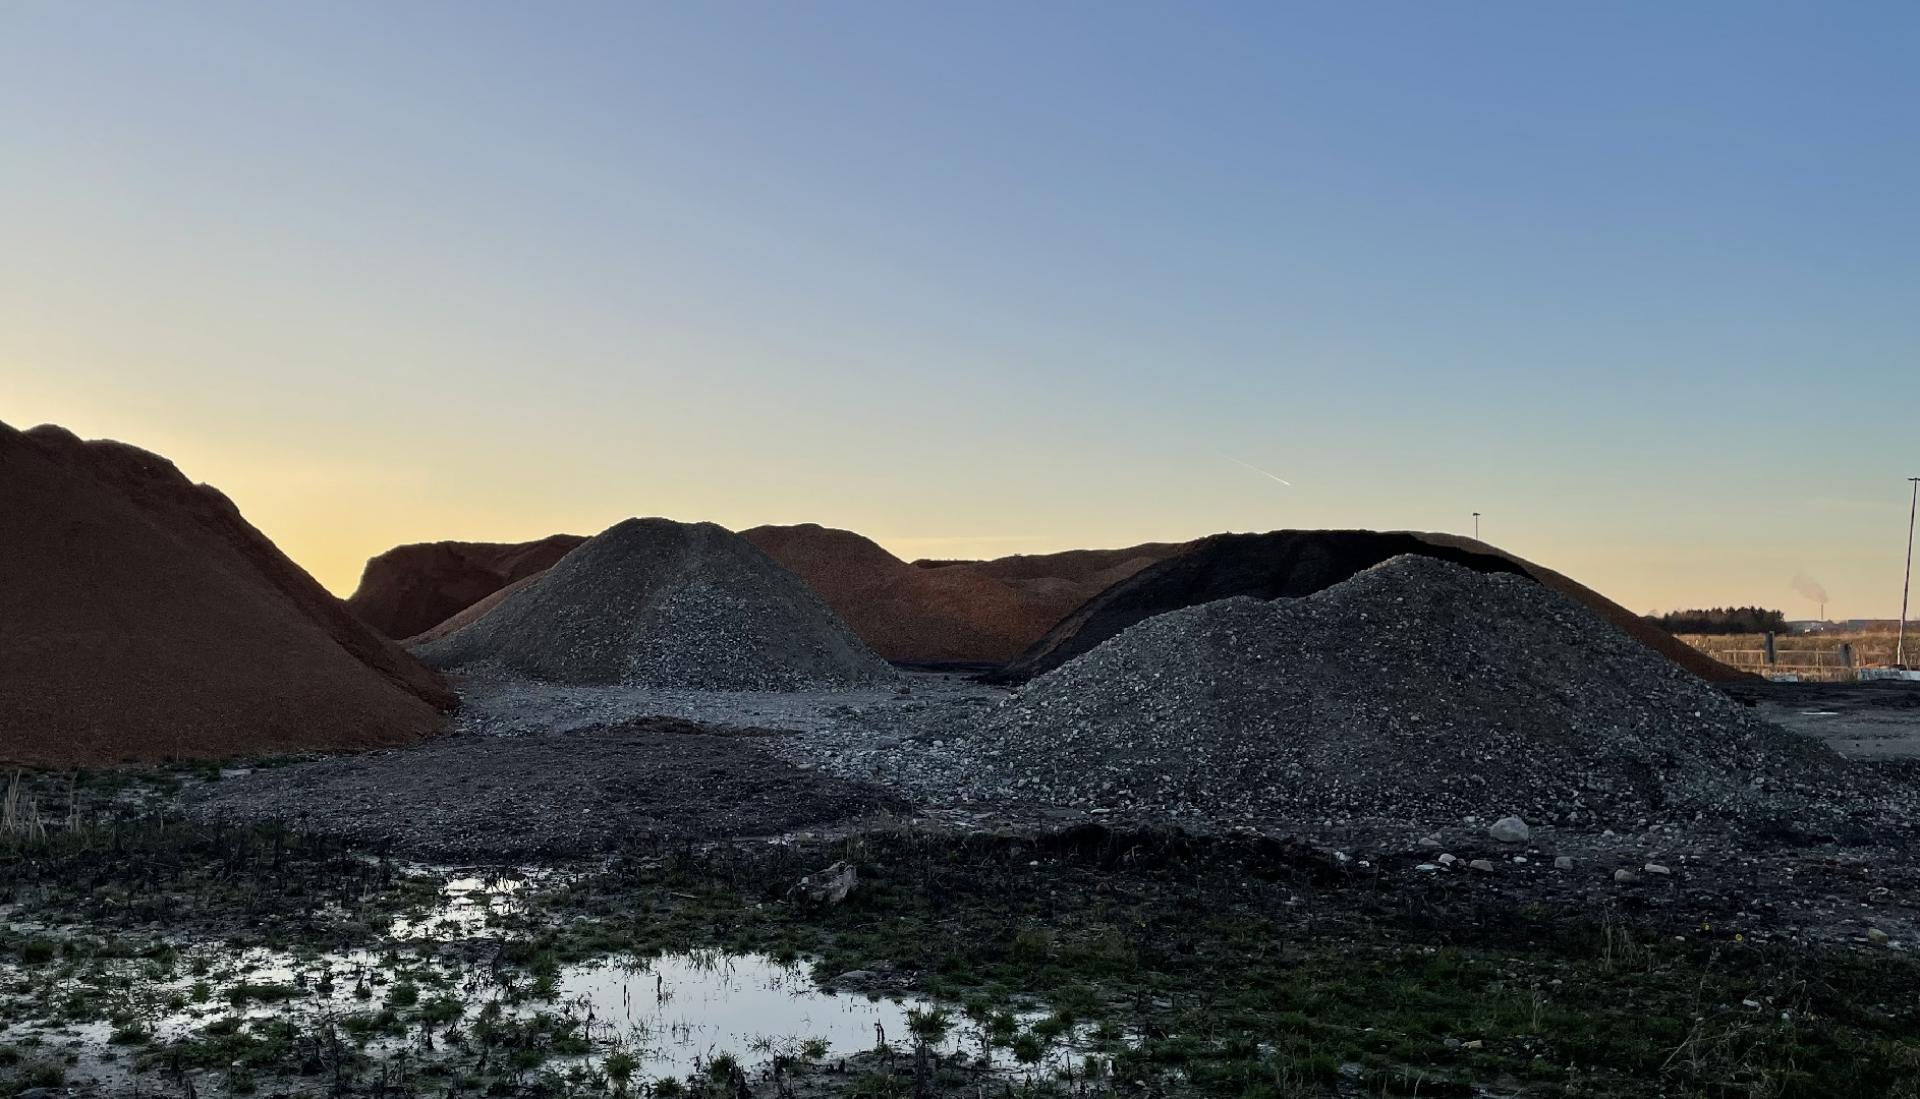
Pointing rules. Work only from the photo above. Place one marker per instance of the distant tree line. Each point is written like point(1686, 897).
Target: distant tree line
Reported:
point(1723, 620)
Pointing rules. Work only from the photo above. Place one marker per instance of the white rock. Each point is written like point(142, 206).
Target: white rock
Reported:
point(1624, 876)
point(1481, 865)
point(1510, 830)
point(1656, 868)
point(1563, 863)
point(829, 886)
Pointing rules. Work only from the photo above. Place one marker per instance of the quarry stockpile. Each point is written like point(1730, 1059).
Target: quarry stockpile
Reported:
point(142, 618)
point(1092, 569)
point(1416, 690)
point(957, 612)
point(410, 589)
point(1622, 619)
point(656, 603)
point(1294, 563)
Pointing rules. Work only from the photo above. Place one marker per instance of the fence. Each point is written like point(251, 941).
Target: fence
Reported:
point(1825, 657)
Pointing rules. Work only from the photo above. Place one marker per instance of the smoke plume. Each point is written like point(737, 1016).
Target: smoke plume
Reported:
point(1809, 587)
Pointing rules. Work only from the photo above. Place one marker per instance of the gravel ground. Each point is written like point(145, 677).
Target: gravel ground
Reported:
point(493, 704)
point(654, 603)
point(552, 795)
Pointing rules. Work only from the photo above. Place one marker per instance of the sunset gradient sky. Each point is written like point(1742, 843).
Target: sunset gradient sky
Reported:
point(1639, 281)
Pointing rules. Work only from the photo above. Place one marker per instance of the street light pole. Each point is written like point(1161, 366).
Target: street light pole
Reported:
point(1476, 526)
point(1906, 577)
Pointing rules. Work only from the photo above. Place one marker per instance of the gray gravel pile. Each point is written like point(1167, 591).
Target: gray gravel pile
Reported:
point(1416, 691)
point(655, 603)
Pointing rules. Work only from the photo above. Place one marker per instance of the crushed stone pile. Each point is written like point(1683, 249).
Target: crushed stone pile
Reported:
point(656, 603)
point(142, 618)
point(1417, 690)
point(1294, 563)
point(1633, 625)
point(957, 612)
point(410, 589)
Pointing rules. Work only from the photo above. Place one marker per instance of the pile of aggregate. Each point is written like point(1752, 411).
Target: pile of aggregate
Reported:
point(656, 603)
point(1294, 563)
point(574, 794)
point(143, 618)
point(956, 612)
point(410, 589)
point(1416, 691)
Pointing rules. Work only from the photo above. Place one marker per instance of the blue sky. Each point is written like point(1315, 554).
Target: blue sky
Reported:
point(1637, 281)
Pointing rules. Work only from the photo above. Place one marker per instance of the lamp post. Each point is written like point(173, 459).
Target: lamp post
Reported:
point(1476, 526)
point(1906, 577)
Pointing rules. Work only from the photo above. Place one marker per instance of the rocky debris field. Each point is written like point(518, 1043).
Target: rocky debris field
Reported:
point(593, 791)
point(655, 603)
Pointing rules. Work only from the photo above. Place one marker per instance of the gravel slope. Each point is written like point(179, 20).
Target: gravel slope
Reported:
point(1418, 689)
point(652, 602)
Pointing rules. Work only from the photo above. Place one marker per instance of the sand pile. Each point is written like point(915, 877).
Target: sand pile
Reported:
point(411, 589)
point(1294, 563)
point(1095, 569)
point(141, 617)
point(655, 603)
point(1417, 690)
point(942, 612)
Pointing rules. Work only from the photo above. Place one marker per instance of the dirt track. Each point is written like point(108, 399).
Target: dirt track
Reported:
point(1872, 721)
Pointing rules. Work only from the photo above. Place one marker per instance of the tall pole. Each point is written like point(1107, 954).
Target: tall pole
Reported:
point(1906, 578)
point(1476, 526)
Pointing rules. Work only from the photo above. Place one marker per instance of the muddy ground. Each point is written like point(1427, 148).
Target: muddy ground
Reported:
point(619, 922)
point(590, 791)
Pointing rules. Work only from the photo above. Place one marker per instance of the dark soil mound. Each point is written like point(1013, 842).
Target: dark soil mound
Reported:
point(411, 589)
point(1284, 563)
point(1294, 563)
point(957, 613)
point(142, 618)
point(1418, 691)
point(655, 603)
point(519, 797)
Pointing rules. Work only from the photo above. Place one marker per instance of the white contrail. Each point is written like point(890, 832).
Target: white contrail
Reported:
point(1254, 468)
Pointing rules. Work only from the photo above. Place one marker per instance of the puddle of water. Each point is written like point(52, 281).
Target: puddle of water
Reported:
point(677, 1012)
point(467, 908)
point(673, 1014)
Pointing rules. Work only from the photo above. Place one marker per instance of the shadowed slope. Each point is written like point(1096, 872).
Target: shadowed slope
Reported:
point(410, 589)
point(144, 618)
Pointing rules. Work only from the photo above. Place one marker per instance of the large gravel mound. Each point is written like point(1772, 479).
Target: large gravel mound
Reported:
point(655, 603)
point(142, 618)
point(959, 612)
point(1417, 690)
point(1294, 563)
point(1633, 625)
point(411, 589)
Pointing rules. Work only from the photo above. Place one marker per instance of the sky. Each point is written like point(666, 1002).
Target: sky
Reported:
point(1640, 282)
